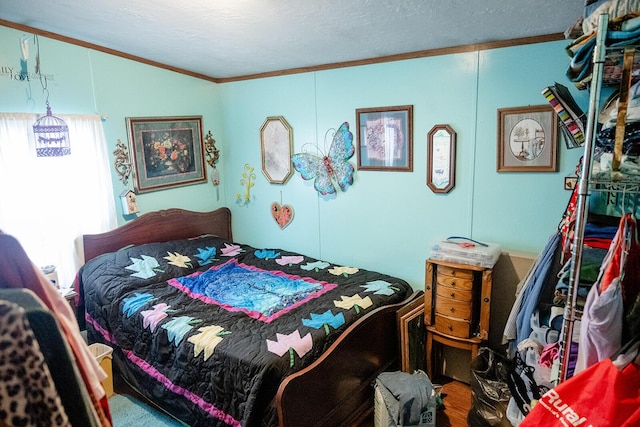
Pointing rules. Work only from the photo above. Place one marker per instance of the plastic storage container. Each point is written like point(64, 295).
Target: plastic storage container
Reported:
point(103, 354)
point(461, 253)
point(50, 273)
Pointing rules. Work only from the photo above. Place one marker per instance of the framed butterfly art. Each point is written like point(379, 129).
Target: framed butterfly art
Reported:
point(331, 168)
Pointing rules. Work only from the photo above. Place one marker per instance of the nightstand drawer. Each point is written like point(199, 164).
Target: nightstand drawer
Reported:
point(452, 293)
point(454, 308)
point(455, 272)
point(454, 282)
point(453, 327)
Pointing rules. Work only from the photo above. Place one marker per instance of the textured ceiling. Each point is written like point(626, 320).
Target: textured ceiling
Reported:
point(232, 38)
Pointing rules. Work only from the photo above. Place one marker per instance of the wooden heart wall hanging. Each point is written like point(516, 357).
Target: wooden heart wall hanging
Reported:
point(283, 214)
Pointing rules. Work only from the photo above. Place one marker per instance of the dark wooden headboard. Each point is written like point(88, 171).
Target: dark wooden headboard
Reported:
point(159, 226)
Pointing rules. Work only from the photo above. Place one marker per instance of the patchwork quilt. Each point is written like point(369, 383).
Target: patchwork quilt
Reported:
point(208, 328)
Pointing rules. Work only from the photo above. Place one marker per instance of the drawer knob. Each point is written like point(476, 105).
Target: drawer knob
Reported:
point(452, 309)
point(452, 295)
point(450, 327)
point(486, 299)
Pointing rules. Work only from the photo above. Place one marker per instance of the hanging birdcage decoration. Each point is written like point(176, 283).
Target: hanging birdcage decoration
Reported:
point(51, 136)
point(51, 133)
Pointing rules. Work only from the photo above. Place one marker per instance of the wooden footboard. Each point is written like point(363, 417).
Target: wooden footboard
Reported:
point(338, 388)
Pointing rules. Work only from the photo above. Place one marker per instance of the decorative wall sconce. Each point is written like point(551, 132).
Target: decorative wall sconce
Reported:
point(122, 163)
point(247, 181)
point(213, 154)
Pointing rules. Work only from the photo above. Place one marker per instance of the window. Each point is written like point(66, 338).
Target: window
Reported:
point(47, 203)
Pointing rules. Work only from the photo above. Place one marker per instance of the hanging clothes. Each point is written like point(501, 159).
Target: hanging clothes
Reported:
point(540, 278)
point(543, 280)
point(568, 222)
point(28, 395)
point(632, 319)
point(601, 325)
point(17, 271)
point(58, 356)
point(631, 279)
point(617, 253)
point(602, 322)
point(631, 291)
point(629, 269)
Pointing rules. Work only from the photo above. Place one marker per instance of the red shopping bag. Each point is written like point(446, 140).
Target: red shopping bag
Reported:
point(601, 395)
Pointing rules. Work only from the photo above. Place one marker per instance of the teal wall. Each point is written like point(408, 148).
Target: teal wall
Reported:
point(85, 81)
point(386, 220)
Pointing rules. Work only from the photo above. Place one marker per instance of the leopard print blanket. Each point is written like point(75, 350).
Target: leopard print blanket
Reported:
point(28, 395)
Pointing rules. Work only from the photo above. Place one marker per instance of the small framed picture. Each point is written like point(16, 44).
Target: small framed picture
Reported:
point(167, 152)
point(385, 138)
point(527, 139)
point(570, 182)
point(412, 336)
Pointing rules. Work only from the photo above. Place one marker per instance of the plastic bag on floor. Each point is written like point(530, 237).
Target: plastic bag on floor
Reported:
point(489, 389)
point(404, 399)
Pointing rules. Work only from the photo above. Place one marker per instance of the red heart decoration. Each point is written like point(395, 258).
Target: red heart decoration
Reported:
point(282, 214)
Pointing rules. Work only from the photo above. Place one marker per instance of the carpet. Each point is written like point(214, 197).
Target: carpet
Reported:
point(129, 412)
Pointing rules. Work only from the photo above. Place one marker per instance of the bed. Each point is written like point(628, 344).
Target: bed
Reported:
point(220, 333)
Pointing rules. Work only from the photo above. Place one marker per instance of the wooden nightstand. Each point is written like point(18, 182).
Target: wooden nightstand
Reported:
point(70, 295)
point(456, 308)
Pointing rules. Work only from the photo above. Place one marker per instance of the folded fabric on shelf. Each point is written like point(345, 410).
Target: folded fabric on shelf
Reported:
point(581, 49)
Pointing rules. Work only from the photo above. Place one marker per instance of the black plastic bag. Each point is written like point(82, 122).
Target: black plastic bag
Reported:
point(489, 389)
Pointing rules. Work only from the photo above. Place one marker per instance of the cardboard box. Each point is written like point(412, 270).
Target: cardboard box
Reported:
point(103, 354)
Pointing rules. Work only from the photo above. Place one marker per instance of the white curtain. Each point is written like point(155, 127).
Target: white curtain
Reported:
point(47, 203)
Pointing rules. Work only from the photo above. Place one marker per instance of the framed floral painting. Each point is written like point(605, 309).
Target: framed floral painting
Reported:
point(167, 152)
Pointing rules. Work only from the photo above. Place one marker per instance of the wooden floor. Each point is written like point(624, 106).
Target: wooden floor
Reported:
point(456, 399)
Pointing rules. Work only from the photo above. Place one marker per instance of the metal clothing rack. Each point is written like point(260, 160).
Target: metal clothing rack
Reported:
point(586, 184)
